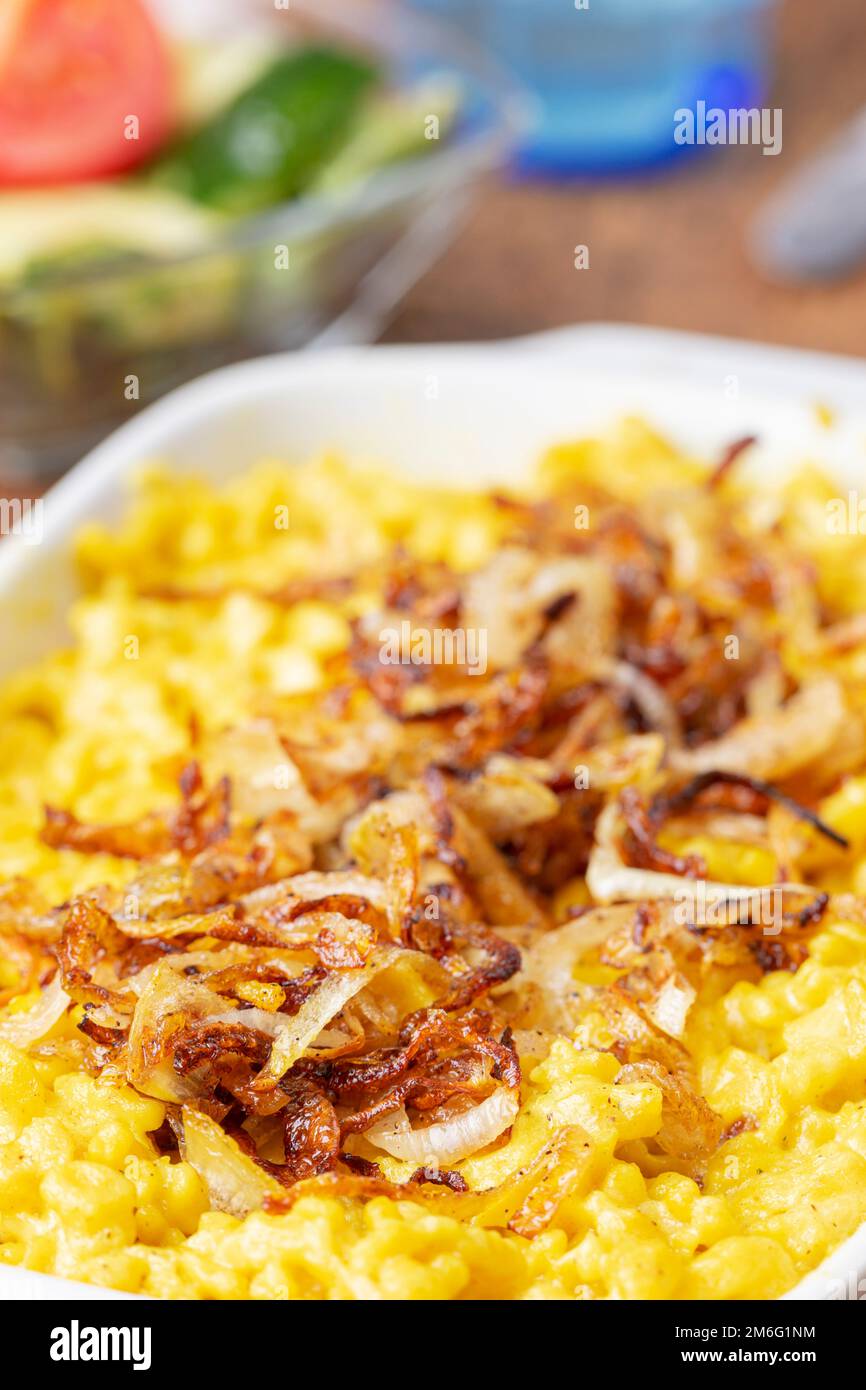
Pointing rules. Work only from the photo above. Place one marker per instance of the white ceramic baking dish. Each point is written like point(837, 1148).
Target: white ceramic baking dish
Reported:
point(473, 413)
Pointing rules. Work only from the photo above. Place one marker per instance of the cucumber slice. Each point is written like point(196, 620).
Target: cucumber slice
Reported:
point(92, 222)
point(271, 141)
point(210, 76)
point(393, 126)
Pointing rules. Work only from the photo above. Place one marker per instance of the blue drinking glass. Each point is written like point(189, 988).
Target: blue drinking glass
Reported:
point(606, 76)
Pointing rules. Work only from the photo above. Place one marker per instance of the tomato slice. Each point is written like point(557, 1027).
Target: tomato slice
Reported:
point(85, 89)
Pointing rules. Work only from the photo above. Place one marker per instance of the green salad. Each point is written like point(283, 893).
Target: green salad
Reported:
point(147, 190)
point(310, 119)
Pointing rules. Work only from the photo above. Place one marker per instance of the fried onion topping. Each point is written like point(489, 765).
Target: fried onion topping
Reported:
point(357, 964)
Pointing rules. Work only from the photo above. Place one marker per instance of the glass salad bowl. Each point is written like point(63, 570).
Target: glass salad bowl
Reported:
point(84, 343)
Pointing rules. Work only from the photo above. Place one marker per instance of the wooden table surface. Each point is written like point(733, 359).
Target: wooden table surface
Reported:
point(665, 249)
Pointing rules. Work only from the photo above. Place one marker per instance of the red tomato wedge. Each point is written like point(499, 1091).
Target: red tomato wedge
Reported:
point(85, 89)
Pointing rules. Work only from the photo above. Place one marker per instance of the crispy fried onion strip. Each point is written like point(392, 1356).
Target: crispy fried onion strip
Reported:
point(775, 745)
point(657, 711)
point(90, 936)
point(639, 844)
point(501, 960)
point(331, 931)
point(236, 1183)
point(249, 859)
point(449, 1140)
point(690, 1128)
point(507, 795)
point(394, 833)
point(310, 1134)
point(564, 604)
point(437, 1059)
point(476, 861)
point(202, 819)
point(427, 1074)
point(25, 913)
point(183, 1026)
point(31, 1025)
point(315, 1014)
point(611, 880)
point(168, 1005)
point(526, 1202)
point(737, 792)
point(311, 1131)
